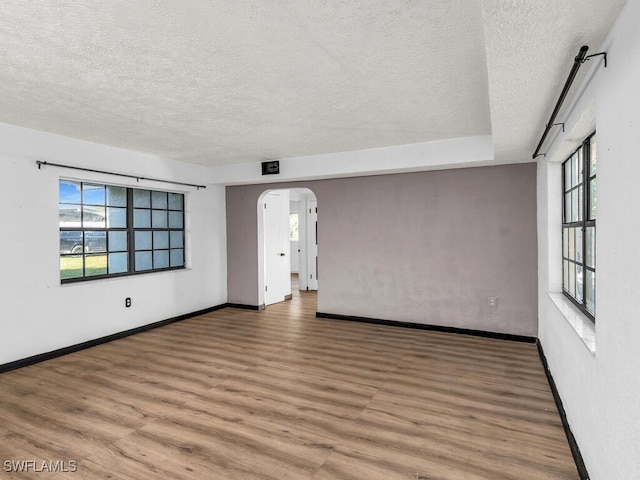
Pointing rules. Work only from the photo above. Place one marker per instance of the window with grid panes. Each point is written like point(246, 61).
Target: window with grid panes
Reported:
point(579, 227)
point(108, 230)
point(158, 228)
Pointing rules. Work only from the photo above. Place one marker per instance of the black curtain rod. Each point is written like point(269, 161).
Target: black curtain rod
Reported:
point(137, 177)
point(577, 62)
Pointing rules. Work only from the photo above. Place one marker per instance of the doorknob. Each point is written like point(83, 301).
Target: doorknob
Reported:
point(280, 254)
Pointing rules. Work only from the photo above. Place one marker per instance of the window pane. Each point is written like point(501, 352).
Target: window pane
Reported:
point(572, 244)
point(565, 242)
point(159, 218)
point(175, 219)
point(594, 156)
point(293, 227)
point(143, 241)
point(69, 192)
point(116, 217)
point(177, 258)
point(176, 201)
point(141, 218)
point(161, 259)
point(590, 292)
point(71, 242)
point(567, 208)
point(71, 266)
point(592, 199)
point(579, 245)
point(160, 240)
point(572, 279)
point(567, 175)
point(95, 265)
point(143, 261)
point(117, 241)
point(69, 216)
point(95, 242)
point(565, 275)
point(93, 194)
point(116, 196)
point(590, 253)
point(574, 206)
point(579, 280)
point(118, 262)
point(93, 217)
point(142, 198)
point(177, 240)
point(159, 200)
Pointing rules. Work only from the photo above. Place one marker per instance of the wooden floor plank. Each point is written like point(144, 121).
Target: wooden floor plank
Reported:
point(280, 394)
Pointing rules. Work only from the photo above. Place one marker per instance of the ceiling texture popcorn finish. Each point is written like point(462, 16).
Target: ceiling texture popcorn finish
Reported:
point(223, 82)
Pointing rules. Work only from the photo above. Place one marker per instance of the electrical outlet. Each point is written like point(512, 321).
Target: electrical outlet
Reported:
point(127, 302)
point(493, 302)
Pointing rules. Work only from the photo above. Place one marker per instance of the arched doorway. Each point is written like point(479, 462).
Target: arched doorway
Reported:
point(278, 251)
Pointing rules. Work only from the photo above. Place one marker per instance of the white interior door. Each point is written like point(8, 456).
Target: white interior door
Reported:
point(277, 257)
point(303, 274)
point(312, 244)
point(294, 212)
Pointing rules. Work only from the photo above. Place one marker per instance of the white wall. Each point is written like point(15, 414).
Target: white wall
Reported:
point(426, 247)
point(599, 382)
point(37, 313)
point(443, 154)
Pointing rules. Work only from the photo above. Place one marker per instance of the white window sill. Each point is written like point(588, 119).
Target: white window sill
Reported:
point(583, 326)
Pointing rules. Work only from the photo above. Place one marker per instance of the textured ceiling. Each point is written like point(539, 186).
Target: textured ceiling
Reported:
point(530, 47)
point(227, 81)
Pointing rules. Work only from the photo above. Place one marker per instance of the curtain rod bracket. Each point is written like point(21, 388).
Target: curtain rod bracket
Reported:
point(554, 124)
point(604, 54)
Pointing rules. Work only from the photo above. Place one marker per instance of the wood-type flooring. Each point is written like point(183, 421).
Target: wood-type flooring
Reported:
point(279, 394)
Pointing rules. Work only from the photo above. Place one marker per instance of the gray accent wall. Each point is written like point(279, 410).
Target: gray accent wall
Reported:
point(427, 247)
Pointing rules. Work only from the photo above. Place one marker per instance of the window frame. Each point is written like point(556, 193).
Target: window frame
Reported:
point(581, 224)
point(130, 230)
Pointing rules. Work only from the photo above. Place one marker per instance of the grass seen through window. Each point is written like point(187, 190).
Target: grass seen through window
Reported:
point(71, 266)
